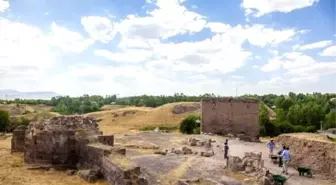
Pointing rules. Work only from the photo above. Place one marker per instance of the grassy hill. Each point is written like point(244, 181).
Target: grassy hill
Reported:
point(126, 119)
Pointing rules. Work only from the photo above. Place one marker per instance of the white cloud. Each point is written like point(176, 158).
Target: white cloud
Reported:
point(288, 61)
point(330, 51)
point(255, 67)
point(160, 23)
point(67, 40)
point(315, 45)
point(129, 55)
point(99, 28)
point(316, 69)
point(261, 7)
point(275, 81)
point(272, 65)
point(24, 55)
point(4, 5)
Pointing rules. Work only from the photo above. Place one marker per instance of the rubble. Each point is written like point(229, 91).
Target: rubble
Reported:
point(252, 162)
point(186, 150)
point(208, 153)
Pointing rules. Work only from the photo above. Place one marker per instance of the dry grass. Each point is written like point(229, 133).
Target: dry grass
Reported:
point(112, 107)
point(143, 116)
point(177, 173)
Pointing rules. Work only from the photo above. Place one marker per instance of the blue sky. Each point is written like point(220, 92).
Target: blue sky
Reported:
point(133, 47)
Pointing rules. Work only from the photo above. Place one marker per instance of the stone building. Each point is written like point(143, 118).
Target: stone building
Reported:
point(74, 142)
point(223, 116)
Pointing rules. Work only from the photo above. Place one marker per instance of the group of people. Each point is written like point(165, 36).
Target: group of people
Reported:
point(283, 155)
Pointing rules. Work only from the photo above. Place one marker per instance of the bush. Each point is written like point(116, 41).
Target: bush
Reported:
point(311, 128)
point(190, 125)
point(4, 120)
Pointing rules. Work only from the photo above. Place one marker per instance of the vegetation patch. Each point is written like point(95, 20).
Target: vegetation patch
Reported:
point(190, 125)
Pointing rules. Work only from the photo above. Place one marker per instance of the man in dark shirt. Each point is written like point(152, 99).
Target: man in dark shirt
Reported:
point(226, 149)
point(279, 154)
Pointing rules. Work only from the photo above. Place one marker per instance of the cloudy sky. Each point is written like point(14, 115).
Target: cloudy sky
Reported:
point(133, 47)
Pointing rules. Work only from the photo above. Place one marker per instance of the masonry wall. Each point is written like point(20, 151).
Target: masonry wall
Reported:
point(18, 139)
point(53, 148)
point(230, 116)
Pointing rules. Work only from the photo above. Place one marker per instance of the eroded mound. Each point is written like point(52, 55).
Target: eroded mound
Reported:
point(184, 108)
point(318, 155)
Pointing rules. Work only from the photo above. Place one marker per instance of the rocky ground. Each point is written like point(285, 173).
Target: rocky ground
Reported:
point(167, 169)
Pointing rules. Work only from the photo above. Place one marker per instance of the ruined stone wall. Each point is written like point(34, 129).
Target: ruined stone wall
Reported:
point(112, 163)
point(317, 155)
point(54, 148)
point(18, 139)
point(55, 141)
point(230, 116)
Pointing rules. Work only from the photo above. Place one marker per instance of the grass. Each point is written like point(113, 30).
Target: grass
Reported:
point(166, 127)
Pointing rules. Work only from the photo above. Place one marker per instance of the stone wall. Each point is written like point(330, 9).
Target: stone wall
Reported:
point(317, 155)
point(75, 142)
point(230, 116)
point(18, 139)
point(106, 140)
point(55, 141)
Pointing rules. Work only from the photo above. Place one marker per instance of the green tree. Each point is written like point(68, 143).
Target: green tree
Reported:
point(4, 120)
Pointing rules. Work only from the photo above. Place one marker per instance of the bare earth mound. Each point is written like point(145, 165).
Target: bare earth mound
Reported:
point(311, 150)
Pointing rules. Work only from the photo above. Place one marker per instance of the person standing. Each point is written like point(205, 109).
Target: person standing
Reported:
point(280, 157)
point(271, 146)
point(226, 149)
point(285, 158)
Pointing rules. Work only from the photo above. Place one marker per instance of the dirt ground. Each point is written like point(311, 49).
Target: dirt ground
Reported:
point(159, 169)
point(167, 169)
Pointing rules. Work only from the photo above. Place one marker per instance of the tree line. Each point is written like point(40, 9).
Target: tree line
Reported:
point(294, 112)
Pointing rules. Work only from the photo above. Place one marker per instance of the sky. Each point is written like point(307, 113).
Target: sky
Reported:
point(135, 47)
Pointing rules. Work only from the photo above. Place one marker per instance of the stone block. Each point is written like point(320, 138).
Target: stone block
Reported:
point(106, 140)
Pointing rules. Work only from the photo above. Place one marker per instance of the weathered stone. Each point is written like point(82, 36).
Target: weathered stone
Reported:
point(192, 141)
point(18, 139)
point(208, 153)
point(186, 150)
point(161, 152)
point(225, 116)
point(177, 151)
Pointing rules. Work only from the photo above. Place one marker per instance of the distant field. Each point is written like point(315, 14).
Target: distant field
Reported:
point(20, 109)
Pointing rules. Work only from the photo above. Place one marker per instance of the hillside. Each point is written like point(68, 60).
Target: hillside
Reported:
point(121, 120)
point(20, 109)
